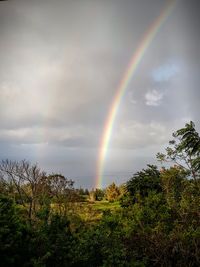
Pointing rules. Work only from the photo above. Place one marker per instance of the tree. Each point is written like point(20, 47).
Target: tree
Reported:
point(99, 194)
point(53, 241)
point(189, 138)
point(96, 194)
point(13, 233)
point(59, 189)
point(122, 189)
point(86, 192)
point(92, 195)
point(112, 192)
point(143, 182)
point(25, 178)
point(172, 181)
point(184, 150)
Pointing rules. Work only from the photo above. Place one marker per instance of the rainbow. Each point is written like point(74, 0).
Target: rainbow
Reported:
point(135, 60)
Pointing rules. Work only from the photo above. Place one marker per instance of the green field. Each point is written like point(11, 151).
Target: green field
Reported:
point(92, 211)
point(105, 205)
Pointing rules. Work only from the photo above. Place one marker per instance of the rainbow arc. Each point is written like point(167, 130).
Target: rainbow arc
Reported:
point(128, 75)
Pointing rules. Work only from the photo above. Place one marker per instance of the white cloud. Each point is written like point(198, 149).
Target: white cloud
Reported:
point(153, 98)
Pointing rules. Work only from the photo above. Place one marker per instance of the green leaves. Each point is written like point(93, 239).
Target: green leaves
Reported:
point(184, 150)
point(143, 182)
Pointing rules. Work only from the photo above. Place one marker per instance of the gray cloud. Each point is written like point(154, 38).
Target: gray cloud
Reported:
point(61, 64)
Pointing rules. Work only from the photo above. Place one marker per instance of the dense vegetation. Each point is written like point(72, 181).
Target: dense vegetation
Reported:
point(152, 220)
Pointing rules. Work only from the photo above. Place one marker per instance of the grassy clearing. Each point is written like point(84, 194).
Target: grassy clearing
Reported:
point(89, 212)
point(92, 211)
point(105, 205)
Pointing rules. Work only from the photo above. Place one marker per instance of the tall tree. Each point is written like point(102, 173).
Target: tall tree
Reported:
point(184, 150)
point(60, 190)
point(26, 180)
point(143, 182)
point(112, 192)
point(13, 234)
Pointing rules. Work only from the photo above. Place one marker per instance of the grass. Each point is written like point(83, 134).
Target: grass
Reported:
point(92, 211)
point(89, 212)
point(105, 205)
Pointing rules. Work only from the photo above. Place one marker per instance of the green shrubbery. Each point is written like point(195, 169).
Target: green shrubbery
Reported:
point(158, 223)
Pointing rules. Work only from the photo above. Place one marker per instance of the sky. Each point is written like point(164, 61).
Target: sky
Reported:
point(61, 63)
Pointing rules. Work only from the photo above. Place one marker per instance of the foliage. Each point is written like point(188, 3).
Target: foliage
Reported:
point(112, 192)
point(13, 234)
point(52, 242)
point(24, 180)
point(184, 150)
point(44, 221)
point(96, 194)
point(141, 184)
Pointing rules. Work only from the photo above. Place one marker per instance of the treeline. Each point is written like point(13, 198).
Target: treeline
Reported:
point(157, 223)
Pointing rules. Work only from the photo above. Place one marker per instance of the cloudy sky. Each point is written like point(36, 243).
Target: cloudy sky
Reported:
point(60, 65)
